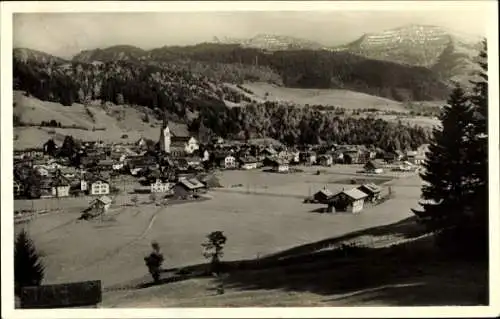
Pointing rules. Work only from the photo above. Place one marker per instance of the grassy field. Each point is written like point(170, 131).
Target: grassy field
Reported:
point(269, 221)
point(116, 119)
point(341, 98)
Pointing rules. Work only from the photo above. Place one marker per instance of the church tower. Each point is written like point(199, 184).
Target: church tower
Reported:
point(165, 136)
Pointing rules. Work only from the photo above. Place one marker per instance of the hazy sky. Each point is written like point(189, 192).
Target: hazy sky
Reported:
point(65, 34)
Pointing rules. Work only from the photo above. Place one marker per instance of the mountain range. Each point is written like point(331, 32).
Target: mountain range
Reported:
point(414, 62)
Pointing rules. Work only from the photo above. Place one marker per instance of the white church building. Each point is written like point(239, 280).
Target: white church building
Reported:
point(176, 145)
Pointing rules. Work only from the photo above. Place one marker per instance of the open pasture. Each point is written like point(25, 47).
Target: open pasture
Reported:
point(341, 98)
point(112, 249)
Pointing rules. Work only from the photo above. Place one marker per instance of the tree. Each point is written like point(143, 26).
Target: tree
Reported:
point(28, 267)
point(68, 147)
point(134, 200)
point(478, 153)
point(448, 180)
point(50, 147)
point(213, 249)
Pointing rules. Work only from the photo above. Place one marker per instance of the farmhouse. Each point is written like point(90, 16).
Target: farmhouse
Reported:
point(373, 167)
point(160, 187)
point(352, 157)
point(230, 162)
point(46, 188)
point(309, 158)
point(280, 166)
point(18, 188)
point(323, 196)
point(349, 201)
point(186, 188)
point(325, 160)
point(98, 186)
point(372, 190)
point(60, 187)
point(248, 162)
point(98, 206)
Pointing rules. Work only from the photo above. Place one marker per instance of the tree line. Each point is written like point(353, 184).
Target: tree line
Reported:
point(300, 126)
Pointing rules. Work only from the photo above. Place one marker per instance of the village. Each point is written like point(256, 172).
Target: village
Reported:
point(179, 167)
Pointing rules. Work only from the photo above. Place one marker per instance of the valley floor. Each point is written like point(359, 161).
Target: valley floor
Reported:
point(263, 219)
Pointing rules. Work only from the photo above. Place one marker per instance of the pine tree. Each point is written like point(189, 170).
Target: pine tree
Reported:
point(28, 268)
point(478, 151)
point(448, 182)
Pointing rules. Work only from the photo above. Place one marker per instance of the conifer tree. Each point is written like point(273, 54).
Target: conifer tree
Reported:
point(447, 179)
point(478, 151)
point(28, 268)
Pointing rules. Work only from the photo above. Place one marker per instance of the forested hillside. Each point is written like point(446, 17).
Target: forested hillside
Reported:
point(298, 68)
point(185, 92)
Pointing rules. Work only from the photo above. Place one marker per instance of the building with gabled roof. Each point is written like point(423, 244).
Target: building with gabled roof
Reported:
point(349, 200)
point(373, 191)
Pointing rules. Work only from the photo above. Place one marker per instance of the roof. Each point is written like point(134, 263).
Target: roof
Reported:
point(94, 179)
point(371, 187)
point(105, 200)
point(191, 183)
point(325, 192)
point(355, 194)
point(105, 162)
point(248, 159)
point(177, 129)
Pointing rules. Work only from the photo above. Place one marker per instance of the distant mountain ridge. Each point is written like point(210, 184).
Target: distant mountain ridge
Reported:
point(273, 42)
point(447, 52)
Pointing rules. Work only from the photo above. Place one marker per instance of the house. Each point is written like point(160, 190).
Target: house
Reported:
point(206, 156)
point(60, 187)
point(325, 160)
point(248, 162)
point(323, 196)
point(42, 171)
point(349, 201)
point(230, 162)
point(338, 157)
point(352, 157)
point(269, 151)
point(372, 190)
point(185, 188)
point(105, 164)
point(373, 167)
point(100, 205)
point(18, 188)
point(98, 186)
point(193, 160)
point(309, 158)
point(160, 187)
point(415, 157)
point(280, 166)
point(46, 187)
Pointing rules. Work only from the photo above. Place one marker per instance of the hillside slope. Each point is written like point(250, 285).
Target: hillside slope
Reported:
point(117, 120)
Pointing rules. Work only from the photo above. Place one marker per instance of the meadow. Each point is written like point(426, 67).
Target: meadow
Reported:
point(266, 221)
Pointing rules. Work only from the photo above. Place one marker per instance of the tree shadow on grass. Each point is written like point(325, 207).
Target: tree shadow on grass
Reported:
point(406, 228)
point(400, 276)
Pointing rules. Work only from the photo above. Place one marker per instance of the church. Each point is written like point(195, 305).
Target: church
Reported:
point(178, 144)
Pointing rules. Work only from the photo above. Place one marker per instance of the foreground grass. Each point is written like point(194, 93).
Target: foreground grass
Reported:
point(412, 274)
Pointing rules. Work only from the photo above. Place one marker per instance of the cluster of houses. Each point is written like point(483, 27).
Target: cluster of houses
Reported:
point(178, 152)
point(351, 200)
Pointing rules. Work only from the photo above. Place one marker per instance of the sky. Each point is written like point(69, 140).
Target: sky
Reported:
point(66, 34)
